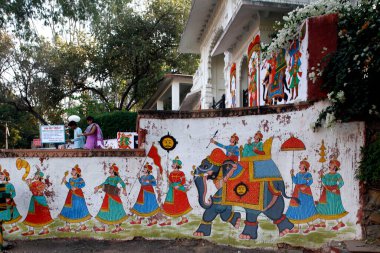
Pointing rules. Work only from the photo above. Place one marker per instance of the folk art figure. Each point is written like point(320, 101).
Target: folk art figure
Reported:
point(112, 211)
point(303, 211)
point(75, 209)
point(38, 212)
point(10, 215)
point(253, 73)
point(254, 148)
point(146, 204)
point(274, 83)
point(176, 203)
point(330, 205)
point(294, 67)
point(233, 85)
point(232, 150)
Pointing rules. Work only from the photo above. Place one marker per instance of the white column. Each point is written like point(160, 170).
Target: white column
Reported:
point(175, 96)
point(160, 104)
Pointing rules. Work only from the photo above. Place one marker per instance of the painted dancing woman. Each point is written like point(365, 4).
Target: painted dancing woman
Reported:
point(112, 210)
point(75, 209)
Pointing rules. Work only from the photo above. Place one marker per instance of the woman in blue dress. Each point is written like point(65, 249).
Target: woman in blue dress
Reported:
point(11, 214)
point(75, 209)
point(304, 211)
point(146, 204)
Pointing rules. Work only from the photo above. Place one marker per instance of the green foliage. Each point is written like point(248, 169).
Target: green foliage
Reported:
point(22, 126)
point(111, 123)
point(369, 169)
point(351, 76)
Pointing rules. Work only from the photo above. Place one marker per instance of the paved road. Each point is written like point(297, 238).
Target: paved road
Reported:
point(136, 245)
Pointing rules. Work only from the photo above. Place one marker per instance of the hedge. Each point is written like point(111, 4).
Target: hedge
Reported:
point(113, 122)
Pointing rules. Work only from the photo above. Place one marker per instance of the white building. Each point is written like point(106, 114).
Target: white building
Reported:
point(221, 31)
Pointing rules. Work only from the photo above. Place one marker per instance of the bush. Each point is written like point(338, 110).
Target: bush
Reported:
point(113, 122)
point(369, 169)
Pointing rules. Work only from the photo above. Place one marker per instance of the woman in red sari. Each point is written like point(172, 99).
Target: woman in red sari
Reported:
point(38, 213)
point(176, 203)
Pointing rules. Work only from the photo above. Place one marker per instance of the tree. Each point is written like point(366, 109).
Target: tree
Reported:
point(135, 50)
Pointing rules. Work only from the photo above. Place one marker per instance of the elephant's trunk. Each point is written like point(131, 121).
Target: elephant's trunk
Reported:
point(201, 184)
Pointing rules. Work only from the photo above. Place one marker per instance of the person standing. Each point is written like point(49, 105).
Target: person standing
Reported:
point(146, 204)
point(38, 212)
point(112, 211)
point(94, 135)
point(78, 136)
point(75, 209)
point(11, 214)
point(176, 203)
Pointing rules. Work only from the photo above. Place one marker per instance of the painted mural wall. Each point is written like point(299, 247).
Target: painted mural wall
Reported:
point(271, 178)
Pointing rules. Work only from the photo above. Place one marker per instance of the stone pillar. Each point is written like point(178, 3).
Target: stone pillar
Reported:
point(175, 96)
point(160, 104)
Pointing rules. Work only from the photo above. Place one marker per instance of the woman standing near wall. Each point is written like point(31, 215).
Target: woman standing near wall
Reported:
point(176, 203)
point(75, 209)
point(112, 210)
point(94, 135)
point(11, 215)
point(146, 204)
point(38, 212)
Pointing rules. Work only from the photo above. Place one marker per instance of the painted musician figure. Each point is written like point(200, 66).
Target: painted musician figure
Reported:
point(254, 148)
point(112, 210)
point(38, 212)
point(176, 203)
point(232, 150)
point(330, 205)
point(11, 215)
point(304, 211)
point(146, 204)
point(75, 209)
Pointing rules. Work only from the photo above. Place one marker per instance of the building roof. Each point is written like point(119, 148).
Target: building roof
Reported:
point(163, 86)
point(201, 12)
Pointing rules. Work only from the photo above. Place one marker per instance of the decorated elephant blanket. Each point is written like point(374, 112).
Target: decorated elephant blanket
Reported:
point(249, 184)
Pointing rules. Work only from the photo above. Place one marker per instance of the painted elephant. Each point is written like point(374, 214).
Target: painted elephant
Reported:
point(256, 193)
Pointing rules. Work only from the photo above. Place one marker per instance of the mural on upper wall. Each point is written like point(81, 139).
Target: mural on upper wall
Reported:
point(253, 71)
point(232, 86)
point(274, 83)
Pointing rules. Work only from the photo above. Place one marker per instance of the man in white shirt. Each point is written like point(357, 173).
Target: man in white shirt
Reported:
point(78, 137)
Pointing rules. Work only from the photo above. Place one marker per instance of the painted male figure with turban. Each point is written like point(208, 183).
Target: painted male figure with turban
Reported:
point(146, 204)
point(112, 211)
point(232, 150)
point(254, 148)
point(38, 212)
point(176, 203)
point(75, 209)
point(330, 205)
point(11, 214)
point(303, 211)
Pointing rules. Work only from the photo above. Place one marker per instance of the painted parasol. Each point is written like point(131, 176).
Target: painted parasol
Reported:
point(293, 144)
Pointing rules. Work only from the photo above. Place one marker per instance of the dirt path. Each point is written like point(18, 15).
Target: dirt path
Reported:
point(136, 245)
